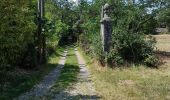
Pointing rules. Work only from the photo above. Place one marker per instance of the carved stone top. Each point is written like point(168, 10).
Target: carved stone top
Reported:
point(106, 11)
point(106, 6)
point(106, 27)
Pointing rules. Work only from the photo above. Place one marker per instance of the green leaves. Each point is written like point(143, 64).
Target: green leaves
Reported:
point(130, 21)
point(17, 30)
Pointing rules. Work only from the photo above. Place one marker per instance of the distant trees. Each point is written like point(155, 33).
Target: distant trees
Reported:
point(164, 13)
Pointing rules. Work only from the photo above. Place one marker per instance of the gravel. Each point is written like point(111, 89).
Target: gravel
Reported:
point(44, 86)
point(83, 89)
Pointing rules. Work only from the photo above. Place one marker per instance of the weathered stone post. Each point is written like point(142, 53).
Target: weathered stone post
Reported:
point(106, 28)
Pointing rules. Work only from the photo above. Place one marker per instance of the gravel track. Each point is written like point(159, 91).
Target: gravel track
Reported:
point(83, 89)
point(43, 87)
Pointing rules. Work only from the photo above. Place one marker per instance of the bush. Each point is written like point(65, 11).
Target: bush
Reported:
point(151, 61)
point(28, 57)
point(114, 58)
point(130, 48)
point(17, 31)
point(133, 47)
point(129, 44)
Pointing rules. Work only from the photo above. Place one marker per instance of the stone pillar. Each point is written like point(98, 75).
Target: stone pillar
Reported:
point(106, 28)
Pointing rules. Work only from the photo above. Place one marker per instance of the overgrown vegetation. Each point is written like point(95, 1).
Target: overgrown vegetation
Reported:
point(131, 21)
point(16, 34)
point(136, 82)
point(21, 43)
point(23, 48)
point(19, 81)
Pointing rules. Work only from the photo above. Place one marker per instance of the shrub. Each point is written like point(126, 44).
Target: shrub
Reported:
point(17, 31)
point(128, 42)
point(151, 61)
point(133, 47)
point(114, 58)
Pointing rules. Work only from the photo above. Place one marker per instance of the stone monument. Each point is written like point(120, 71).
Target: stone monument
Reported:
point(106, 28)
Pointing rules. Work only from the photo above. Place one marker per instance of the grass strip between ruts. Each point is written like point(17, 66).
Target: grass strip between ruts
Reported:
point(68, 74)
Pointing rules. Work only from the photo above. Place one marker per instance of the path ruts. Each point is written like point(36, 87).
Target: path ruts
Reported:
point(83, 89)
point(43, 87)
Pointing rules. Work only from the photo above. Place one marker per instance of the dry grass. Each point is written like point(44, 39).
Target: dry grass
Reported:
point(136, 82)
point(163, 42)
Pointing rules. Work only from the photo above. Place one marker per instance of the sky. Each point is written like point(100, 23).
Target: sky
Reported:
point(72, 0)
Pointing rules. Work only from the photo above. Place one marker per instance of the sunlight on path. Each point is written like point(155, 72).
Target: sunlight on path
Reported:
point(83, 89)
point(41, 89)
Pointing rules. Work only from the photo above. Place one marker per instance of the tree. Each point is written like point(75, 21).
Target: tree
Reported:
point(129, 23)
point(164, 13)
point(17, 31)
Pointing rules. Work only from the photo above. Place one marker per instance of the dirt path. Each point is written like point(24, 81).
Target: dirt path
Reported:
point(41, 89)
point(83, 89)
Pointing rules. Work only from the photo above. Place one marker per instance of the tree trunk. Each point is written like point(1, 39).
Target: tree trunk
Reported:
point(44, 49)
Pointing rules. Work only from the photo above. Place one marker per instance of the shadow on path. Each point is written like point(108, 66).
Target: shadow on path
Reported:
point(43, 87)
point(67, 96)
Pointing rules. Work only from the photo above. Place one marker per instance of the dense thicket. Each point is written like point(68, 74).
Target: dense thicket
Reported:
point(27, 41)
point(131, 21)
point(19, 39)
point(17, 30)
point(18, 34)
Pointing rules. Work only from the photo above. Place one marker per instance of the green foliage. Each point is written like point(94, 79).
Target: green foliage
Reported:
point(164, 16)
point(16, 33)
point(20, 81)
point(62, 15)
point(133, 46)
point(114, 58)
point(151, 61)
point(127, 38)
point(130, 21)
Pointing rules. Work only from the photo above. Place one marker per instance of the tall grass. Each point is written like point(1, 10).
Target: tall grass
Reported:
point(135, 83)
point(163, 42)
